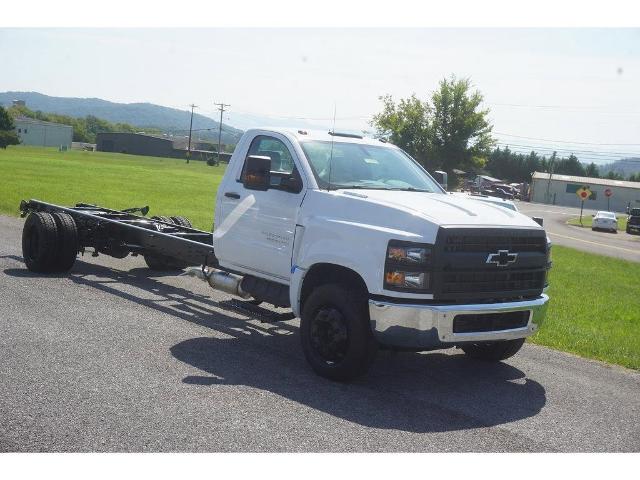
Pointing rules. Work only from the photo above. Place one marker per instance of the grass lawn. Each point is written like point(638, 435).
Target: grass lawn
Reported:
point(586, 221)
point(594, 309)
point(595, 300)
point(169, 186)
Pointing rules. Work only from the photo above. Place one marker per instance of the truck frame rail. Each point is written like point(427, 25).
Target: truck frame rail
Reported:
point(119, 233)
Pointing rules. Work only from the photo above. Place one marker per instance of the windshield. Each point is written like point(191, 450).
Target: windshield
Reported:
point(607, 214)
point(360, 166)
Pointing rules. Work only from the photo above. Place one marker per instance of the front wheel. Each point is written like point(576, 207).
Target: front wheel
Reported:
point(493, 351)
point(335, 333)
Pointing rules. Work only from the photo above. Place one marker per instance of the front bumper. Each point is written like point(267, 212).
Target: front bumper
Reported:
point(417, 326)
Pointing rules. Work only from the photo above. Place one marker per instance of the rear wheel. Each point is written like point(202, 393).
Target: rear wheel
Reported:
point(67, 247)
point(493, 351)
point(335, 333)
point(39, 242)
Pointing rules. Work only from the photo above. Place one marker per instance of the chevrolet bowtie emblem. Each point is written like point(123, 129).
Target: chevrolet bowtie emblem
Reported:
point(502, 258)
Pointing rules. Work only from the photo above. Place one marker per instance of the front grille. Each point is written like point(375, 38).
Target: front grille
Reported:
point(486, 281)
point(492, 243)
point(464, 266)
point(490, 322)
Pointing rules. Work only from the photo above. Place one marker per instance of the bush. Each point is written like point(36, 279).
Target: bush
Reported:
point(8, 138)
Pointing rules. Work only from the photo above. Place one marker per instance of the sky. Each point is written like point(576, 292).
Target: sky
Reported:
point(573, 89)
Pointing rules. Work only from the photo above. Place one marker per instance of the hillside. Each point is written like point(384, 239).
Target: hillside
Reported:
point(624, 166)
point(142, 115)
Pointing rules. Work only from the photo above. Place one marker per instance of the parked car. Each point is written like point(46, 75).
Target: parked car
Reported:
point(501, 202)
point(633, 221)
point(499, 192)
point(605, 221)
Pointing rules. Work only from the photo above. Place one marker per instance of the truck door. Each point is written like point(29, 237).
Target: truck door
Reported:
point(257, 228)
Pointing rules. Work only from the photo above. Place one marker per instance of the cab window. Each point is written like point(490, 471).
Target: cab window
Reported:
point(282, 164)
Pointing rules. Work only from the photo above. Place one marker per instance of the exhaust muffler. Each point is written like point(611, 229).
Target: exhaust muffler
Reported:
point(223, 281)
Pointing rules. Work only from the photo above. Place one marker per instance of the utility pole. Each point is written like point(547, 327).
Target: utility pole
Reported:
point(190, 128)
point(221, 108)
point(551, 161)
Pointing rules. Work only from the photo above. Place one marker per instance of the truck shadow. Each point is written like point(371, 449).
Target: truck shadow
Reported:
point(433, 392)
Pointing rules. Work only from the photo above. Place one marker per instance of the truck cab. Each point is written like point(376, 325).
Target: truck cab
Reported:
point(370, 251)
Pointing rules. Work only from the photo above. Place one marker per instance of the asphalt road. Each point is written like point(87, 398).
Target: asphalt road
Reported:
point(112, 358)
point(619, 245)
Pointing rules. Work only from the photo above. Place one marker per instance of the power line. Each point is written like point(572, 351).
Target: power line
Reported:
point(594, 109)
point(567, 141)
point(569, 150)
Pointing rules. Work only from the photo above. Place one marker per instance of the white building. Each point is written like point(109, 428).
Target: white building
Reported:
point(561, 190)
point(43, 134)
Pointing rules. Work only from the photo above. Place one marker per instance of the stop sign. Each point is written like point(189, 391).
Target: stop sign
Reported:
point(608, 192)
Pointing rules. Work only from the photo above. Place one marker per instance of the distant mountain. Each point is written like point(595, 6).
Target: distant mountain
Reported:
point(143, 115)
point(624, 166)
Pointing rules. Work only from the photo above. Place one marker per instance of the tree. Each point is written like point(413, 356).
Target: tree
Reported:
point(592, 171)
point(614, 175)
point(461, 131)
point(7, 134)
point(407, 125)
point(448, 131)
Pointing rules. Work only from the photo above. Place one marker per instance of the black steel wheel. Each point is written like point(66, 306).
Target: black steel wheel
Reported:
point(329, 335)
point(336, 337)
point(39, 242)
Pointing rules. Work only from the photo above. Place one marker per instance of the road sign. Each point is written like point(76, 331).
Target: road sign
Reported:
point(608, 192)
point(583, 193)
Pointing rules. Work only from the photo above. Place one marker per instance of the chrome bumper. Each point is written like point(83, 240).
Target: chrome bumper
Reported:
point(431, 326)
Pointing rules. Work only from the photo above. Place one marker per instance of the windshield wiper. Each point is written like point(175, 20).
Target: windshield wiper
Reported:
point(357, 187)
point(411, 189)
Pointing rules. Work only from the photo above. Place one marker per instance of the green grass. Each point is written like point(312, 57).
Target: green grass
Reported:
point(586, 221)
point(594, 309)
point(595, 300)
point(114, 180)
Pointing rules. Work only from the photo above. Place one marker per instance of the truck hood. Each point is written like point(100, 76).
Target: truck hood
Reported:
point(445, 209)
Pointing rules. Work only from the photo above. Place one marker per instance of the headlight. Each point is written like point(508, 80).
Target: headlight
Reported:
point(409, 255)
point(407, 267)
point(408, 280)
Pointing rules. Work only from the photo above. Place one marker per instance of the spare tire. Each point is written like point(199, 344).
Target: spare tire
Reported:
point(67, 245)
point(39, 242)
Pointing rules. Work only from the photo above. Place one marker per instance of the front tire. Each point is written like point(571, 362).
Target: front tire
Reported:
point(336, 337)
point(493, 351)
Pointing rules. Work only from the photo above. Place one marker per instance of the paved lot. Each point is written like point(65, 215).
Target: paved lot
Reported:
point(619, 245)
point(111, 358)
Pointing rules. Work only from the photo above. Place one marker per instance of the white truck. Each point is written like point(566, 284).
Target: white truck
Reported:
point(350, 233)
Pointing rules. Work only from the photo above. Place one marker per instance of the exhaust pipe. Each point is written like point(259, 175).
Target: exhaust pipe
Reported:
point(223, 281)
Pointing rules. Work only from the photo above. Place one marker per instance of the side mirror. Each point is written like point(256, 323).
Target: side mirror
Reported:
point(257, 172)
point(441, 178)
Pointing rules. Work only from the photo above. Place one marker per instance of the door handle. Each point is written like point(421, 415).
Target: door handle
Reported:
point(232, 195)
